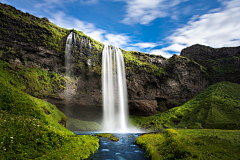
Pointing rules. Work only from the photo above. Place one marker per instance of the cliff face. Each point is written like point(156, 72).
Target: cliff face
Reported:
point(222, 64)
point(34, 41)
point(152, 81)
point(199, 52)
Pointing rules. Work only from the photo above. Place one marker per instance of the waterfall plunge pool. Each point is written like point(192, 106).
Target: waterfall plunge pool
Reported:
point(124, 149)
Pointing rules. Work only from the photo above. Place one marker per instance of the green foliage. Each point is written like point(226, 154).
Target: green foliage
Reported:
point(83, 125)
point(31, 29)
point(191, 144)
point(24, 27)
point(222, 67)
point(31, 128)
point(135, 63)
point(187, 62)
point(216, 107)
point(32, 80)
point(108, 135)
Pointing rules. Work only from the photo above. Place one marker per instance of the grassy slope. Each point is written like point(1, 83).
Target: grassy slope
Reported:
point(79, 125)
point(29, 126)
point(191, 144)
point(216, 107)
point(32, 80)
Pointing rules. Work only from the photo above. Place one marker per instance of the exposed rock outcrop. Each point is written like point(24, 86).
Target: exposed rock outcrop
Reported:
point(222, 64)
point(199, 52)
point(143, 107)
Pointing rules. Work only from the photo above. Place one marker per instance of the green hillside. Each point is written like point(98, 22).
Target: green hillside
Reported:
point(189, 144)
point(31, 128)
point(216, 107)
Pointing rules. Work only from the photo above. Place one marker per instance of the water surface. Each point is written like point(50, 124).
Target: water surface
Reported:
point(124, 149)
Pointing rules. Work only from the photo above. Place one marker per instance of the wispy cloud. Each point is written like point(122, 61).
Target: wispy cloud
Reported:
point(144, 12)
point(50, 4)
point(61, 19)
point(160, 52)
point(88, 2)
point(218, 29)
point(145, 45)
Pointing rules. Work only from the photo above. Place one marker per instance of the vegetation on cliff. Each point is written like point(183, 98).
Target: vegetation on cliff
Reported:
point(24, 27)
point(31, 128)
point(223, 68)
point(216, 107)
point(191, 144)
point(31, 79)
point(134, 62)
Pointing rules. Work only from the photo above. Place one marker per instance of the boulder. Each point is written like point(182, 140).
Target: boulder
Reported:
point(143, 107)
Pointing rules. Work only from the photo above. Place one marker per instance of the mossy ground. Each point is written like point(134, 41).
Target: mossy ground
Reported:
point(31, 128)
point(80, 125)
point(32, 80)
point(133, 62)
point(108, 135)
point(216, 107)
point(191, 144)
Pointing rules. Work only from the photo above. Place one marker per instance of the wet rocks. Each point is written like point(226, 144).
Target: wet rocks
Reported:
point(143, 107)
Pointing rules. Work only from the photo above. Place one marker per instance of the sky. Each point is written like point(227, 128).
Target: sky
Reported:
point(159, 27)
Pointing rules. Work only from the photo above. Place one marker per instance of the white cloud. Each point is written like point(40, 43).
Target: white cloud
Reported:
point(145, 45)
point(218, 29)
point(49, 4)
point(174, 47)
point(161, 52)
point(88, 1)
point(118, 40)
point(143, 12)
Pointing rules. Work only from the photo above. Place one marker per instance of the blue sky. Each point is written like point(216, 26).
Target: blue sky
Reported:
point(161, 27)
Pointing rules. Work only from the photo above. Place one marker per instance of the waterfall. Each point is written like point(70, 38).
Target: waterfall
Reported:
point(90, 46)
point(68, 50)
point(115, 114)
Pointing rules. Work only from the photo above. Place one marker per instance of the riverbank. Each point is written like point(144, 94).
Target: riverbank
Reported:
point(31, 128)
point(191, 144)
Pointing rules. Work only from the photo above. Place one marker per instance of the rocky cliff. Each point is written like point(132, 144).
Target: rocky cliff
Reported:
point(153, 82)
point(222, 64)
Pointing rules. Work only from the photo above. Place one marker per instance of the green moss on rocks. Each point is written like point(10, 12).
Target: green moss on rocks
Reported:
point(32, 129)
point(216, 107)
point(222, 68)
point(80, 125)
point(108, 135)
point(31, 79)
point(133, 62)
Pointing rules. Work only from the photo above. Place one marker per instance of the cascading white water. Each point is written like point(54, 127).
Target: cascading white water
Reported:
point(115, 115)
point(68, 50)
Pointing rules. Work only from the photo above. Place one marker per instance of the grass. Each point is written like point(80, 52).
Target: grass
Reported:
point(216, 107)
point(191, 144)
point(31, 128)
point(108, 135)
point(79, 125)
point(32, 80)
point(133, 62)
